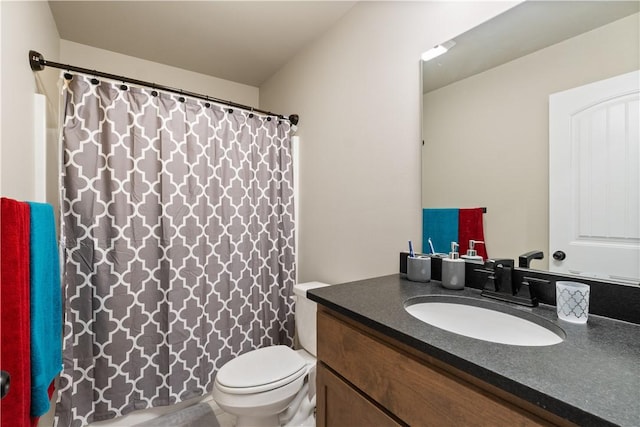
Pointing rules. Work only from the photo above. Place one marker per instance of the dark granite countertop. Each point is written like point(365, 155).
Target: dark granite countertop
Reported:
point(591, 378)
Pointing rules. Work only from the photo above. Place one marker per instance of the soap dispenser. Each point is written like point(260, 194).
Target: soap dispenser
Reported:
point(472, 255)
point(453, 269)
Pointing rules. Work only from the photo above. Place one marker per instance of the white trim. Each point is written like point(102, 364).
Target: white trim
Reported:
point(40, 147)
point(295, 149)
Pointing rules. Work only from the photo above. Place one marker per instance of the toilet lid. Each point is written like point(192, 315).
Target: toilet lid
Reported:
point(260, 370)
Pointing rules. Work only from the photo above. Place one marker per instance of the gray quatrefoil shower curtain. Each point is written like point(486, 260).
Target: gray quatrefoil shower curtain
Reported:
point(178, 236)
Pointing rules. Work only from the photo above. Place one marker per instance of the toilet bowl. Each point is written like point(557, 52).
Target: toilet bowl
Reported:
point(265, 387)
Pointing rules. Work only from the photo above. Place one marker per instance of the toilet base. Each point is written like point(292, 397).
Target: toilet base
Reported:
point(249, 421)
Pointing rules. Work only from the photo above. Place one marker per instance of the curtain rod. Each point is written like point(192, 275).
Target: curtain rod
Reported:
point(37, 62)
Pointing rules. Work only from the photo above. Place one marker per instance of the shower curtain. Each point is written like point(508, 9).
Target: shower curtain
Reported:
point(178, 241)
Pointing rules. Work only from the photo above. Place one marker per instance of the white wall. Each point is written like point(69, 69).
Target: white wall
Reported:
point(488, 134)
point(115, 63)
point(25, 26)
point(357, 90)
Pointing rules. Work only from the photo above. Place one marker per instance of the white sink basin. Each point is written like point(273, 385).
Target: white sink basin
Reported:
point(484, 320)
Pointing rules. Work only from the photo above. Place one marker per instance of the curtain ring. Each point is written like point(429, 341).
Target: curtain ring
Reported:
point(68, 75)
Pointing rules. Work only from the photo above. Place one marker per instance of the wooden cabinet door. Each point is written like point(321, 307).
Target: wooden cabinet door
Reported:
point(415, 392)
point(340, 405)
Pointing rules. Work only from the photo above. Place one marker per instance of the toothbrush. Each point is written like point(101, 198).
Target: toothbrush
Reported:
point(431, 246)
point(411, 254)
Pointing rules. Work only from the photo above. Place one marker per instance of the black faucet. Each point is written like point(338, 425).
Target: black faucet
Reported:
point(524, 260)
point(500, 283)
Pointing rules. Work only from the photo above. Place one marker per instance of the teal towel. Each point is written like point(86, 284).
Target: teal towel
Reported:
point(46, 306)
point(441, 225)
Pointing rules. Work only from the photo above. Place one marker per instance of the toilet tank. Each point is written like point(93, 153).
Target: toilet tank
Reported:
point(305, 315)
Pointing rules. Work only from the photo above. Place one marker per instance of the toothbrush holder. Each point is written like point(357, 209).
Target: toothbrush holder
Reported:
point(419, 269)
point(572, 301)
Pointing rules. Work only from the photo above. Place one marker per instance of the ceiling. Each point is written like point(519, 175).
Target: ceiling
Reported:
point(242, 41)
point(248, 41)
point(521, 30)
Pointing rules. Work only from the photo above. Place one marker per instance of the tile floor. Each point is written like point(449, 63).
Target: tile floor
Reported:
point(225, 419)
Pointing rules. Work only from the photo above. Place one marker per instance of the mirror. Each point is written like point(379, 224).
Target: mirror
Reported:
point(486, 110)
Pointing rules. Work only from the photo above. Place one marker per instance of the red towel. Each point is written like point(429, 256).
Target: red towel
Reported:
point(14, 314)
point(470, 227)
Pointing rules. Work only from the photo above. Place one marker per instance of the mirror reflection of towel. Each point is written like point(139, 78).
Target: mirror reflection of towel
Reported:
point(470, 227)
point(441, 225)
point(446, 225)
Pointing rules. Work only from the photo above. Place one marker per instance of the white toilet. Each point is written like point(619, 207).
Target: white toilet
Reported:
point(266, 387)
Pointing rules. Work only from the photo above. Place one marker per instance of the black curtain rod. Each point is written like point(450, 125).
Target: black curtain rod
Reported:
point(37, 62)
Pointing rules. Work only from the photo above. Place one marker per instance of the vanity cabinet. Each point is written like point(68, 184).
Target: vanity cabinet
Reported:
point(345, 406)
point(366, 378)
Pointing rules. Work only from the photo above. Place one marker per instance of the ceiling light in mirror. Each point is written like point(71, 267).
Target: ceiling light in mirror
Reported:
point(438, 50)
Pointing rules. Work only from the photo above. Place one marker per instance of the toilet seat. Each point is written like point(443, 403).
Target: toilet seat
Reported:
point(261, 370)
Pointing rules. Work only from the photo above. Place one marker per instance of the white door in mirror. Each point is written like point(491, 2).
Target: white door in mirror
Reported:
point(594, 179)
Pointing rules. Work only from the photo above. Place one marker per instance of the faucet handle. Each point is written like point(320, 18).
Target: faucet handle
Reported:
point(525, 259)
point(523, 292)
